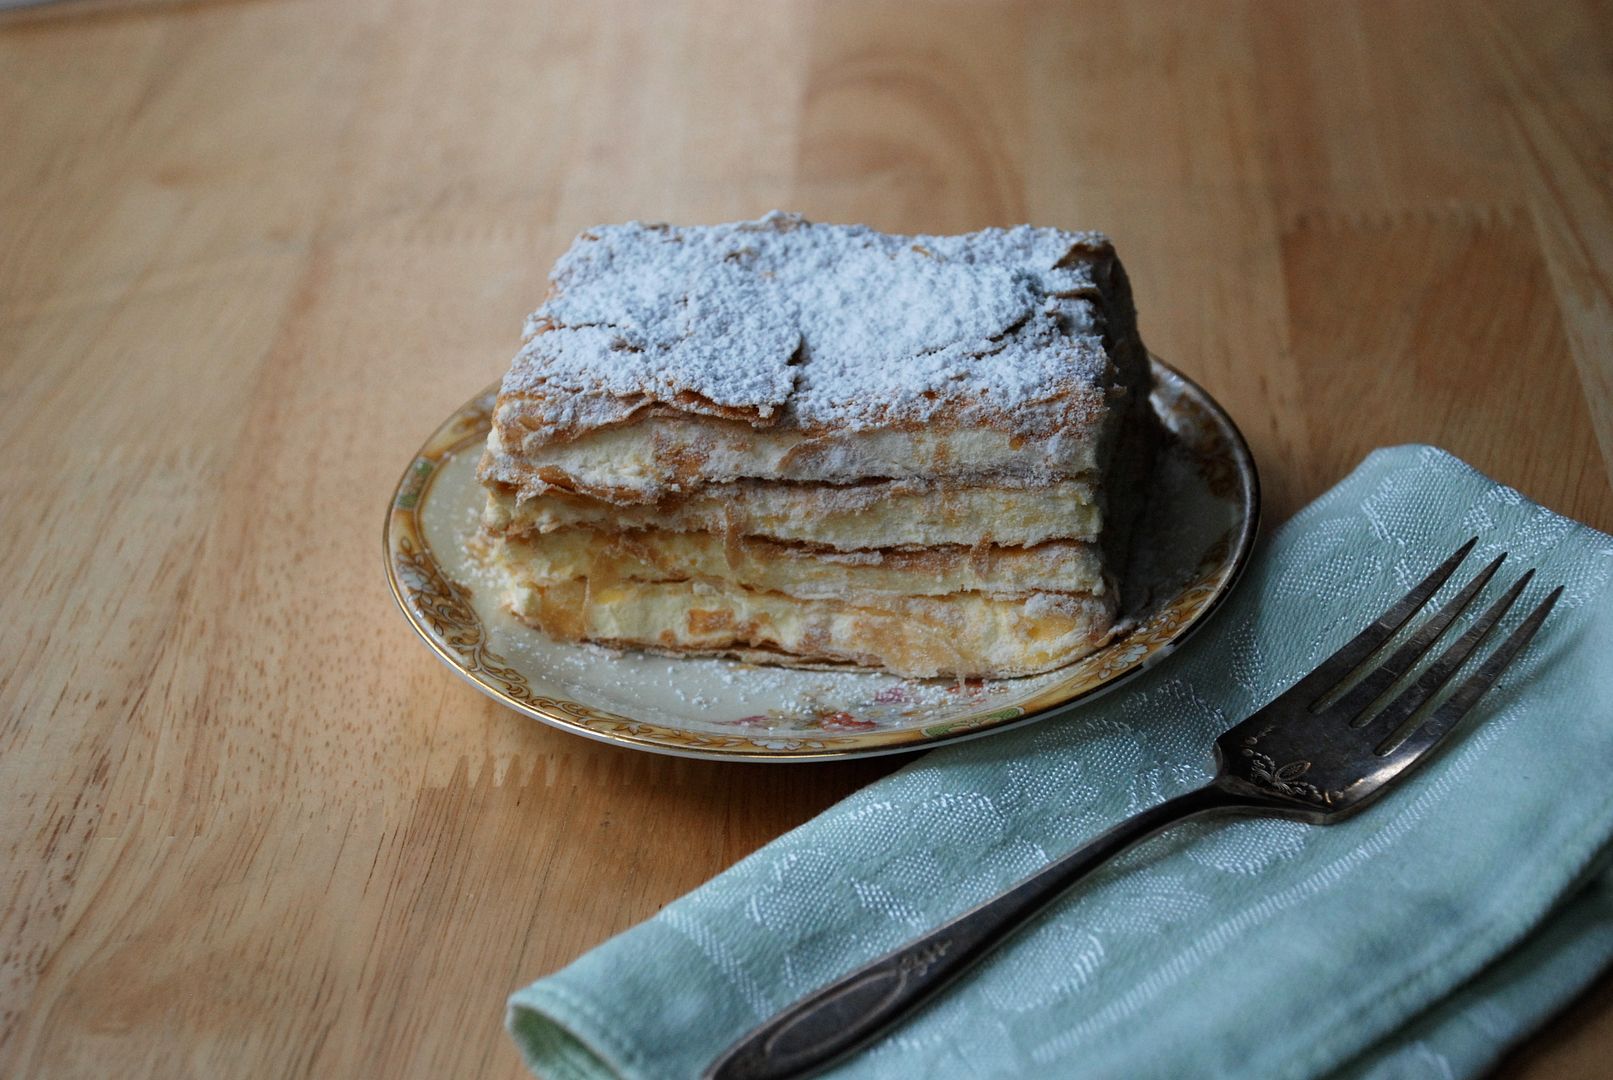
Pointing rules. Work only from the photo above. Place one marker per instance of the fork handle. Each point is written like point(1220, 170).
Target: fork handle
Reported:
point(856, 1009)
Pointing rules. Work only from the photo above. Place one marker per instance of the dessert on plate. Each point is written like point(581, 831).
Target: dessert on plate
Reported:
point(821, 445)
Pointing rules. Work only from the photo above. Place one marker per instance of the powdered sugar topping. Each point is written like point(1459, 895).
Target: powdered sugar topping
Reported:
point(820, 326)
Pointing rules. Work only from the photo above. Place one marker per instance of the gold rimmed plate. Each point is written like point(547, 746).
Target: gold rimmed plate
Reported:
point(1194, 540)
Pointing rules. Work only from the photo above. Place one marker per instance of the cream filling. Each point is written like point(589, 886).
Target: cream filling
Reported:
point(843, 518)
point(646, 459)
point(966, 634)
point(604, 556)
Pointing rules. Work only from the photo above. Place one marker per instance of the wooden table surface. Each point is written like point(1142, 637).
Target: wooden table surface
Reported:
point(251, 252)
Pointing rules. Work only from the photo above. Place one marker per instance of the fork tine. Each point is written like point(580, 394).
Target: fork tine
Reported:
point(1332, 671)
point(1448, 715)
point(1437, 674)
point(1353, 705)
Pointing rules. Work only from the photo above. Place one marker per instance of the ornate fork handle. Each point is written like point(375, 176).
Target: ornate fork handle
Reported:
point(856, 1009)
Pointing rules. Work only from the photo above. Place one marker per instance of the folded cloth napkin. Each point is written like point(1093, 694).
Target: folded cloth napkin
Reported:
point(1420, 938)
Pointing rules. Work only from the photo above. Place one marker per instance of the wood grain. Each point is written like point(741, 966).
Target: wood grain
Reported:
point(251, 251)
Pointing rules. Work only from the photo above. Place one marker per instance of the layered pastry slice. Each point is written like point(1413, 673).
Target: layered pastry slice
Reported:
point(823, 445)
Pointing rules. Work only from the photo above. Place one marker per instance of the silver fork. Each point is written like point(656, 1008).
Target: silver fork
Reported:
point(1321, 751)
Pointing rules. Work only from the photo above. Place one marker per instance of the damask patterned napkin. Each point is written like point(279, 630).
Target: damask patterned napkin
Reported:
point(1418, 939)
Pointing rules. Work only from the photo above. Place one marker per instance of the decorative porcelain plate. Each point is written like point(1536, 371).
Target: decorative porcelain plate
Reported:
point(1194, 544)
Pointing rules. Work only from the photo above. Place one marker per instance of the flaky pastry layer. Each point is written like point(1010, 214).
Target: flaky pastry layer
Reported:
point(964, 635)
point(661, 455)
point(605, 557)
point(861, 516)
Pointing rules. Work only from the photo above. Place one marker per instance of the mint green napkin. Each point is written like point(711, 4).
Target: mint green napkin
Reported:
point(1418, 939)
